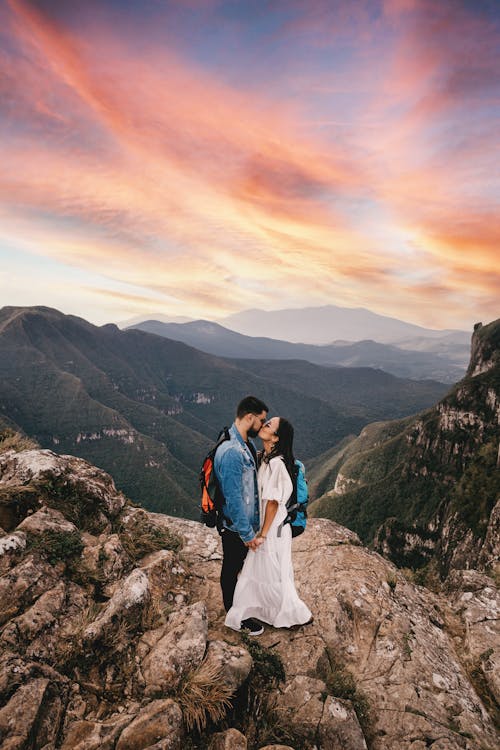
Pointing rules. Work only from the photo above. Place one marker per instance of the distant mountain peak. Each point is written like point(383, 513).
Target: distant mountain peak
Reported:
point(327, 323)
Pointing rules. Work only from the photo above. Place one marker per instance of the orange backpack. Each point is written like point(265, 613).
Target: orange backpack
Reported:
point(212, 498)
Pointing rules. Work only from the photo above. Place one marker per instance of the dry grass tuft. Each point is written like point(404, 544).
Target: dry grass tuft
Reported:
point(427, 576)
point(155, 614)
point(204, 695)
point(119, 635)
point(14, 441)
point(85, 575)
point(141, 536)
point(494, 573)
point(69, 646)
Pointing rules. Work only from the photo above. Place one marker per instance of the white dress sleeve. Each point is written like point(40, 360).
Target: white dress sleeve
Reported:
point(277, 484)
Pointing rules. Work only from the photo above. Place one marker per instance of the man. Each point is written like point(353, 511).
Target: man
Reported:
point(235, 467)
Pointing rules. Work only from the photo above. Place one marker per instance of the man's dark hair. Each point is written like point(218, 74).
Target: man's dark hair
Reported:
point(250, 405)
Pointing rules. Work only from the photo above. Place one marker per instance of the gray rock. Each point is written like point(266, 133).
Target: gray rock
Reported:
point(476, 599)
point(311, 714)
point(104, 561)
point(388, 633)
point(12, 547)
point(202, 548)
point(46, 519)
point(339, 727)
point(394, 638)
point(115, 560)
point(94, 735)
point(167, 577)
point(489, 559)
point(14, 671)
point(300, 706)
point(231, 739)
point(23, 584)
point(32, 716)
point(125, 606)
point(38, 618)
point(235, 662)
point(179, 650)
point(34, 467)
point(158, 725)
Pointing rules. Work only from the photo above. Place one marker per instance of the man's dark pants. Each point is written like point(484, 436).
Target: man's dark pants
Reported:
point(234, 553)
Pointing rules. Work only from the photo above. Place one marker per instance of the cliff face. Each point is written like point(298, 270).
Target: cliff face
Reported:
point(428, 488)
point(112, 636)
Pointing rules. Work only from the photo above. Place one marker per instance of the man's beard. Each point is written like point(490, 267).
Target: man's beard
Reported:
point(252, 432)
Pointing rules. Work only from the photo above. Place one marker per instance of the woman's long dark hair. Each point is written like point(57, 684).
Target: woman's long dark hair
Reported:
point(284, 446)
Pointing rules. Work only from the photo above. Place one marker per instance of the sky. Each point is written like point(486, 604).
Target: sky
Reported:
point(201, 157)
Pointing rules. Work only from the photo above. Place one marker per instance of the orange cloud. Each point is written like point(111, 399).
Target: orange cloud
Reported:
point(158, 174)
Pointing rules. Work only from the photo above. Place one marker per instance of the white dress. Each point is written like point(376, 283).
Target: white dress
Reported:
point(266, 588)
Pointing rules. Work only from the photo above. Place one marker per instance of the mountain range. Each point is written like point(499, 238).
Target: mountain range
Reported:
point(147, 408)
point(324, 325)
point(442, 359)
point(426, 487)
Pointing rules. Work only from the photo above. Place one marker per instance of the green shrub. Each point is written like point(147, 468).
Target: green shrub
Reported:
point(140, 537)
point(267, 664)
point(340, 683)
point(254, 712)
point(70, 497)
point(56, 545)
point(478, 489)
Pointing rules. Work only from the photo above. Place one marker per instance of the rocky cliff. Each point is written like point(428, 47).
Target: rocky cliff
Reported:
point(112, 636)
point(427, 488)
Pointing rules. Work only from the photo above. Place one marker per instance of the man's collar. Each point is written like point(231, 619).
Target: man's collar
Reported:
point(251, 447)
point(234, 430)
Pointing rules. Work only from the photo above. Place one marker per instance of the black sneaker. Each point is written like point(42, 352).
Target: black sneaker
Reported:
point(252, 627)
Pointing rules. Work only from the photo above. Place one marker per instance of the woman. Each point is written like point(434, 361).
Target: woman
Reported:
point(266, 588)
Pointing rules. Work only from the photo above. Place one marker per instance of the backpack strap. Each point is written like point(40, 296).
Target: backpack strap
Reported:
point(221, 517)
point(288, 517)
point(294, 504)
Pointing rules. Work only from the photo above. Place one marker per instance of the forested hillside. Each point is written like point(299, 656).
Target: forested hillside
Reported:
point(428, 485)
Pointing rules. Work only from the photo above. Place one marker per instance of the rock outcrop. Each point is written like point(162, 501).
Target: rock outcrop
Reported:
point(427, 489)
point(112, 636)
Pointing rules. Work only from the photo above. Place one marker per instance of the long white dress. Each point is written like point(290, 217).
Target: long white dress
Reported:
point(266, 588)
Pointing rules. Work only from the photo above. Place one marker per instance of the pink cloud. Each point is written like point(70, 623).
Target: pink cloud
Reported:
point(170, 177)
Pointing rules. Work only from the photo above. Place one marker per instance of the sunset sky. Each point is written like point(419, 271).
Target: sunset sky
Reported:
point(198, 157)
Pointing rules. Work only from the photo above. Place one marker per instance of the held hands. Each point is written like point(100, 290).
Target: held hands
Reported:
point(255, 543)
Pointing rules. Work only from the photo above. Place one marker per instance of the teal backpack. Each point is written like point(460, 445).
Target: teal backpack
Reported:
point(297, 502)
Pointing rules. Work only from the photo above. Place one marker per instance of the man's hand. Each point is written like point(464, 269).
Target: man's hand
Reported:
point(254, 543)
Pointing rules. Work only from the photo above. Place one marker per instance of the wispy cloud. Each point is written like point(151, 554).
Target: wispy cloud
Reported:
point(160, 172)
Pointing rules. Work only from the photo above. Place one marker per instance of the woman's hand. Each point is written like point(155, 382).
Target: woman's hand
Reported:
point(254, 543)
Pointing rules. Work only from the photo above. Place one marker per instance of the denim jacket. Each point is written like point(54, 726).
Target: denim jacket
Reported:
point(237, 474)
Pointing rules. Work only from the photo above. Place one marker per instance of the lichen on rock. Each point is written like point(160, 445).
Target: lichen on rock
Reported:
point(107, 649)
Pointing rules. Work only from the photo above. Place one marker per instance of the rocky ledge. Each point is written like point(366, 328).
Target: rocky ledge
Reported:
point(112, 635)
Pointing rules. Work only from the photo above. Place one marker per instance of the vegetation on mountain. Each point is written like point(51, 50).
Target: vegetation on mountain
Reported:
point(361, 391)
point(12, 439)
point(445, 361)
point(139, 537)
point(146, 408)
point(474, 496)
point(56, 545)
point(417, 486)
